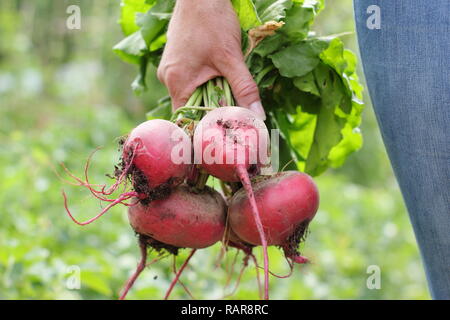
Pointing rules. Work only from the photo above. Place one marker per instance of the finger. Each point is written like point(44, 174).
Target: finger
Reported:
point(244, 87)
point(179, 98)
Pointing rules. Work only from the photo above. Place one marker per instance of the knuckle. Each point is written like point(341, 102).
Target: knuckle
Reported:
point(245, 87)
point(226, 56)
point(168, 74)
point(160, 73)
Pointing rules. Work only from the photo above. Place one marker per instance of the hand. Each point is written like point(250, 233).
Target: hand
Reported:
point(204, 42)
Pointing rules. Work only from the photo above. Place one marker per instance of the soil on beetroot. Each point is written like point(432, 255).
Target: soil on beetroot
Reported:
point(139, 180)
point(299, 236)
point(140, 185)
point(158, 245)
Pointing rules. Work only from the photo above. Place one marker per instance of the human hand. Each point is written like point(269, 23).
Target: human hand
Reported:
point(204, 42)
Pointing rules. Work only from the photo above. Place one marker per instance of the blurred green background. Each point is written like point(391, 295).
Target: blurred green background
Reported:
point(63, 93)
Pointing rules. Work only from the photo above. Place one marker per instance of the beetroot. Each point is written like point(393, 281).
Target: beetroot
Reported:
point(231, 137)
point(231, 143)
point(160, 153)
point(171, 208)
point(183, 219)
point(156, 157)
point(287, 202)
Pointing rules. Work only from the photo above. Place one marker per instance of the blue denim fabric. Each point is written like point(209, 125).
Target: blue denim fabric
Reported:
point(407, 68)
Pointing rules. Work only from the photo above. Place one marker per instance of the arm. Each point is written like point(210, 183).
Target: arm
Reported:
point(203, 42)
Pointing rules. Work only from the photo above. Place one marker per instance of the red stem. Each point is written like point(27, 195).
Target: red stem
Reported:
point(122, 197)
point(141, 266)
point(243, 175)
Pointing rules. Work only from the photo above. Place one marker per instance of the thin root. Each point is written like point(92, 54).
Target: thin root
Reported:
point(174, 268)
point(141, 266)
point(243, 175)
point(120, 199)
point(178, 274)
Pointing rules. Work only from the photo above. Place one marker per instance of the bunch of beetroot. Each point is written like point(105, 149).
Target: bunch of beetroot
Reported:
point(169, 204)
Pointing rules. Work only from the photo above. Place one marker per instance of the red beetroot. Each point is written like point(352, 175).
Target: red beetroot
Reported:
point(231, 143)
point(156, 154)
point(229, 137)
point(287, 202)
point(160, 150)
point(184, 219)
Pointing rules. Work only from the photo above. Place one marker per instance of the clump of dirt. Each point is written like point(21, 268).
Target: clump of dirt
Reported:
point(299, 236)
point(140, 185)
point(138, 178)
point(159, 246)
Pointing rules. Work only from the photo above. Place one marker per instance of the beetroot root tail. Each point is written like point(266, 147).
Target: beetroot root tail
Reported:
point(141, 266)
point(258, 281)
point(120, 199)
point(177, 276)
point(174, 267)
point(243, 175)
point(299, 259)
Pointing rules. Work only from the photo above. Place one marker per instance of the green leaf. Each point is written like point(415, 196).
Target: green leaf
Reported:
point(285, 96)
point(297, 130)
point(151, 27)
point(327, 134)
point(138, 84)
point(162, 111)
point(268, 80)
point(332, 90)
point(263, 73)
point(334, 56)
point(246, 12)
point(270, 45)
point(163, 9)
point(272, 10)
point(318, 5)
point(128, 11)
point(307, 83)
point(299, 59)
point(344, 63)
point(298, 21)
point(158, 43)
point(351, 142)
point(132, 48)
point(351, 60)
point(154, 22)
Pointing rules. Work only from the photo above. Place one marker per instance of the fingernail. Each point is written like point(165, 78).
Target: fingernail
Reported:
point(257, 108)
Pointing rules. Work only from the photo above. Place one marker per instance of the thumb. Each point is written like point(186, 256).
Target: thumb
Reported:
point(244, 87)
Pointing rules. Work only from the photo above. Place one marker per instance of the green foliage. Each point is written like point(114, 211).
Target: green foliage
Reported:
point(298, 59)
point(270, 10)
point(314, 82)
point(147, 39)
point(246, 12)
point(308, 84)
point(129, 9)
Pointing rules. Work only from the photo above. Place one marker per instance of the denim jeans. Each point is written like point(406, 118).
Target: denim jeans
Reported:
point(406, 61)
